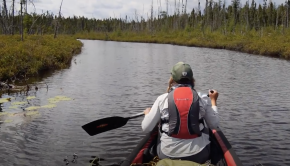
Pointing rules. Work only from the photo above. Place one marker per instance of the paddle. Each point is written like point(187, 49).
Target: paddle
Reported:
point(106, 124)
point(110, 123)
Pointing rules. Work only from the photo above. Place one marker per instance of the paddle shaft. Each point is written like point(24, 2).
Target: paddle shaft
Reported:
point(136, 116)
point(106, 124)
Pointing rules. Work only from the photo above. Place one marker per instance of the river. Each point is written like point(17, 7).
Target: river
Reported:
point(118, 78)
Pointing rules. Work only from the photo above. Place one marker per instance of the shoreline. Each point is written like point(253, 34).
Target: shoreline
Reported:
point(269, 46)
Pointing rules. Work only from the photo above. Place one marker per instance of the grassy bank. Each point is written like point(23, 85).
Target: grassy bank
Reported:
point(267, 42)
point(34, 54)
point(39, 53)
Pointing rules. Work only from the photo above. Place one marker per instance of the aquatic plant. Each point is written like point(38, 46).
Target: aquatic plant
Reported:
point(25, 108)
point(35, 54)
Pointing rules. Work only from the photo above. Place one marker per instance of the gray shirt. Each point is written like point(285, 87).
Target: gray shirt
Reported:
point(175, 147)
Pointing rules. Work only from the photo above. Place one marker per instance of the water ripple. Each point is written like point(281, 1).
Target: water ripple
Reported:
point(122, 79)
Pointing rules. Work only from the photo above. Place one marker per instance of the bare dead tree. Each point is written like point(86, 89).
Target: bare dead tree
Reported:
point(4, 18)
point(178, 11)
point(12, 18)
point(167, 7)
point(31, 1)
point(5, 8)
point(185, 7)
point(277, 19)
point(21, 17)
point(175, 7)
point(25, 6)
point(30, 29)
point(1, 22)
point(151, 19)
point(287, 13)
point(57, 21)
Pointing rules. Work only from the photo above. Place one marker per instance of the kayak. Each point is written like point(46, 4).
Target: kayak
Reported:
point(145, 153)
point(222, 153)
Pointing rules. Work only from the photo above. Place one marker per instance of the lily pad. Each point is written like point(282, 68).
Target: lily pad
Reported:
point(3, 113)
point(66, 99)
point(4, 100)
point(30, 97)
point(61, 98)
point(13, 114)
point(13, 107)
point(32, 113)
point(32, 108)
point(53, 100)
point(19, 103)
point(49, 106)
point(8, 121)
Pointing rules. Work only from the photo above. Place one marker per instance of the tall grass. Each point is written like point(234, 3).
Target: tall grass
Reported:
point(269, 42)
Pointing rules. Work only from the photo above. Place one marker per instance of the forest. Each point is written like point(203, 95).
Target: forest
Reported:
point(252, 27)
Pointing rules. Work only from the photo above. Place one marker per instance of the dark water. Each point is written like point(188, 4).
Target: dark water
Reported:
point(115, 78)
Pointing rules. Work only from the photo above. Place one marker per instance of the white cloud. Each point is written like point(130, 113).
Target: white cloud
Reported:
point(113, 8)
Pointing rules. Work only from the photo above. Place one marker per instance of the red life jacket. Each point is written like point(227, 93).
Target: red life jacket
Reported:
point(183, 110)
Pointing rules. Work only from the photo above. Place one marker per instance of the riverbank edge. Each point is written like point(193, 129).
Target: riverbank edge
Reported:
point(56, 55)
point(269, 46)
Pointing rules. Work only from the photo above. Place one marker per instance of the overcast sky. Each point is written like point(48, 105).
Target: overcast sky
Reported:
point(113, 8)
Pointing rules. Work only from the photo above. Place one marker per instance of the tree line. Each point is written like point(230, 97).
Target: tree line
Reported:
point(216, 16)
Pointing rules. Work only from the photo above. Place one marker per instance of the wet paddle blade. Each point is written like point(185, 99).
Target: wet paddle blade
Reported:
point(106, 124)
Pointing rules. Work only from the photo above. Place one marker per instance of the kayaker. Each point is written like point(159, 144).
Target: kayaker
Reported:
point(182, 137)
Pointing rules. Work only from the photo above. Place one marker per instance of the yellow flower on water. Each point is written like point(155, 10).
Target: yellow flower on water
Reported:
point(30, 97)
point(32, 108)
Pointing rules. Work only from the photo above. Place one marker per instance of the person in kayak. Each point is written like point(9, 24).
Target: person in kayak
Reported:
point(181, 113)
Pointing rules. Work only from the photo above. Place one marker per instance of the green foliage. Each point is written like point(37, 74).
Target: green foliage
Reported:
point(36, 53)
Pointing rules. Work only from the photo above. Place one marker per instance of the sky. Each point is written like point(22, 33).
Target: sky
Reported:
point(100, 9)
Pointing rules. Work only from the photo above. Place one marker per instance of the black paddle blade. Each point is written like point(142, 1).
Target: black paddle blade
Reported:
point(105, 124)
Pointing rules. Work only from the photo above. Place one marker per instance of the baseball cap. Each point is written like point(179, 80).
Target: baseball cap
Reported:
point(181, 71)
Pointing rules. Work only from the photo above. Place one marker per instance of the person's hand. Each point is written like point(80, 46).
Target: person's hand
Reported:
point(147, 110)
point(213, 95)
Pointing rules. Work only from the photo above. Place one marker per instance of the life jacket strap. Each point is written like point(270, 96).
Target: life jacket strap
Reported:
point(201, 121)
